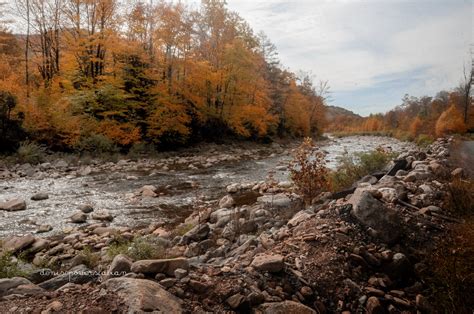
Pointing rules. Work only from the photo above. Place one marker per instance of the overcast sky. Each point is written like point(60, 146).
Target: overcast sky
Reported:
point(371, 52)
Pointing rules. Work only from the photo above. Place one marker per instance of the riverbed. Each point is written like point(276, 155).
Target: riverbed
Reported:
point(181, 190)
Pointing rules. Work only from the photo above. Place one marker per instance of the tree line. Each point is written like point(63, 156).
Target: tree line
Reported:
point(423, 117)
point(166, 74)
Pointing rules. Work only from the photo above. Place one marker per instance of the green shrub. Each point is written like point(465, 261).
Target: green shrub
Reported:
point(139, 248)
point(90, 259)
point(424, 140)
point(96, 144)
point(353, 168)
point(32, 153)
point(9, 267)
point(182, 229)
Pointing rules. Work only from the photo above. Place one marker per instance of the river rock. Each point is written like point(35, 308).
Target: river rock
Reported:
point(13, 205)
point(148, 191)
point(40, 197)
point(44, 228)
point(27, 290)
point(10, 283)
point(284, 307)
point(299, 217)
point(266, 262)
point(15, 244)
point(86, 208)
point(154, 266)
point(40, 275)
point(102, 215)
point(281, 201)
point(78, 218)
point(372, 213)
point(198, 233)
point(400, 267)
point(141, 295)
point(121, 265)
point(79, 275)
point(373, 306)
point(221, 213)
point(226, 202)
point(400, 164)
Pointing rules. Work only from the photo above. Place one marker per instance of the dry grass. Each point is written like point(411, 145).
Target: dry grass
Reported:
point(452, 277)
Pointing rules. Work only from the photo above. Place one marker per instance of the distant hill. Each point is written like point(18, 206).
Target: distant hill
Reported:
point(334, 111)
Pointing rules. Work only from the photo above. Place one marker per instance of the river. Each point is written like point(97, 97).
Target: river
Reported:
point(182, 189)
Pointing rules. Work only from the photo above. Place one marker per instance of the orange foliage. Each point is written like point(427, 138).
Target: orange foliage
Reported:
point(119, 133)
point(450, 121)
point(415, 127)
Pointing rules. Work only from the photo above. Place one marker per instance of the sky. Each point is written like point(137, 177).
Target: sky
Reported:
point(372, 52)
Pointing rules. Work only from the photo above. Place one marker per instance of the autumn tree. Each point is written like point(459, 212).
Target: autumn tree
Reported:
point(450, 121)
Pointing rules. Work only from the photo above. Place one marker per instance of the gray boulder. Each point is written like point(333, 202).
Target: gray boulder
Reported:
point(141, 295)
point(372, 213)
point(10, 283)
point(154, 266)
point(79, 275)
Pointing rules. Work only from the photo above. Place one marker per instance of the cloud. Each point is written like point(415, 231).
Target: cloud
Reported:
point(357, 45)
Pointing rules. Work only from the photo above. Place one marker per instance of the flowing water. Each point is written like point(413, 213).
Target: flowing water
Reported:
point(182, 190)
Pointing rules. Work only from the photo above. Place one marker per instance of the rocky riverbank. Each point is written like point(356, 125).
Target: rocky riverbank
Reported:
point(258, 250)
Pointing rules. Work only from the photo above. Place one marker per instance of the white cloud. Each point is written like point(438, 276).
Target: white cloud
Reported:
point(356, 44)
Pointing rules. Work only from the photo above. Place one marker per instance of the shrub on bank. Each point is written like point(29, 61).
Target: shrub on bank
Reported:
point(9, 267)
point(460, 198)
point(308, 171)
point(32, 153)
point(139, 248)
point(97, 144)
point(353, 168)
point(424, 140)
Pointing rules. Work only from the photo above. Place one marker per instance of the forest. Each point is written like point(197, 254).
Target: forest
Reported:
point(93, 73)
point(88, 75)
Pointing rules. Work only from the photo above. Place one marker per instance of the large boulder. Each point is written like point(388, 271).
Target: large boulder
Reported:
point(284, 307)
point(79, 275)
point(10, 283)
point(154, 266)
point(16, 244)
point(141, 295)
point(372, 213)
point(13, 205)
